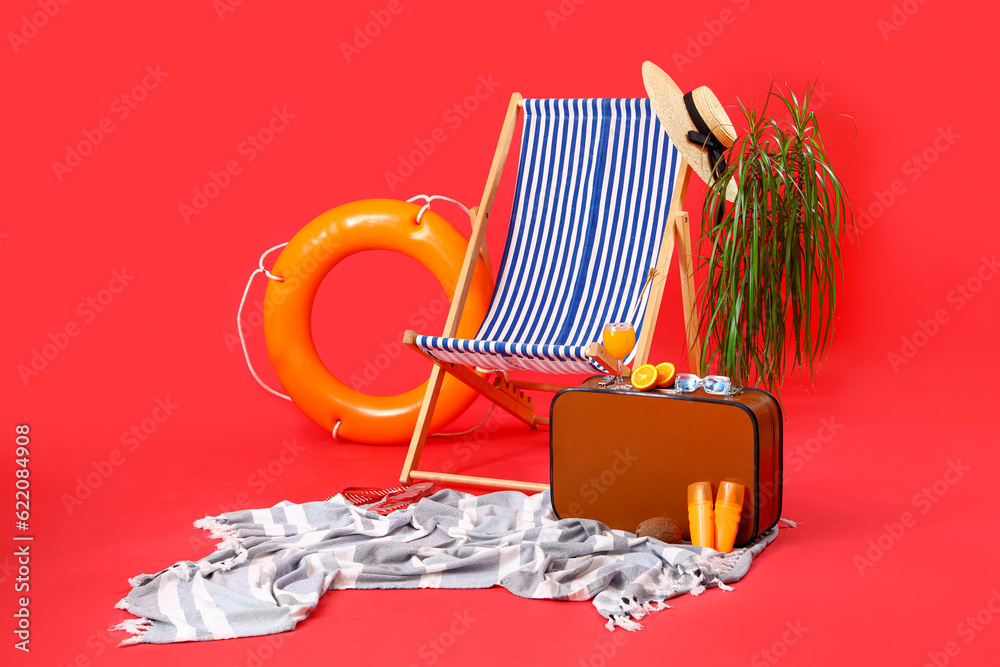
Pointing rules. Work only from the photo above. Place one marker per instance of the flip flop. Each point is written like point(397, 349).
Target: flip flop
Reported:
point(357, 495)
point(389, 499)
point(398, 501)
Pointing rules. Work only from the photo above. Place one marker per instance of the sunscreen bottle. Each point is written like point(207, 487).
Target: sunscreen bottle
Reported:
point(700, 517)
point(728, 507)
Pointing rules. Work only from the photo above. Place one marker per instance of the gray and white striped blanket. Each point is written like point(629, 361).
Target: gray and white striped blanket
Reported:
point(274, 564)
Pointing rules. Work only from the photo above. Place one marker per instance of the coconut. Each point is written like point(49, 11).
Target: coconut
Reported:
point(662, 528)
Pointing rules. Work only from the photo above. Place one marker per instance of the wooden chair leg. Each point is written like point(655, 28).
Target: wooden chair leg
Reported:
point(450, 478)
point(484, 250)
point(423, 423)
point(689, 302)
point(645, 341)
point(503, 393)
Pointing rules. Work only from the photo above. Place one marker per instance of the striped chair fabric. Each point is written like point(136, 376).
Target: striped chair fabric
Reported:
point(594, 184)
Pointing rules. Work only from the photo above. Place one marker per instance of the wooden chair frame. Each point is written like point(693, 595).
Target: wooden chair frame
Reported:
point(509, 395)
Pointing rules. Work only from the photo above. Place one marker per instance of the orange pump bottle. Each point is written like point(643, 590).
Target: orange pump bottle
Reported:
point(700, 516)
point(728, 507)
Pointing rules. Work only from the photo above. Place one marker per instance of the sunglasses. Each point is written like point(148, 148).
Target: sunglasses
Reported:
point(712, 384)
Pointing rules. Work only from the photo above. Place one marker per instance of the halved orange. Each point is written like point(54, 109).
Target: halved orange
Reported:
point(644, 377)
point(665, 373)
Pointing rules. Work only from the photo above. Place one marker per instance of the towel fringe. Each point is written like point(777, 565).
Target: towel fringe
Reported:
point(632, 612)
point(139, 579)
point(133, 626)
point(240, 558)
point(622, 621)
point(228, 541)
point(789, 522)
point(218, 531)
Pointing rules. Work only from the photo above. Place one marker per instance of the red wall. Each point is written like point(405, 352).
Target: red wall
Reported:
point(132, 297)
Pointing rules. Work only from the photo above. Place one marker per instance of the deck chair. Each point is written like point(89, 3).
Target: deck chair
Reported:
point(597, 204)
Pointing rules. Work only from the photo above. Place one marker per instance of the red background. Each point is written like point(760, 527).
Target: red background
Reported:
point(908, 73)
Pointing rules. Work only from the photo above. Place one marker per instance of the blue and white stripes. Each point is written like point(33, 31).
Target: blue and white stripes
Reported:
point(594, 185)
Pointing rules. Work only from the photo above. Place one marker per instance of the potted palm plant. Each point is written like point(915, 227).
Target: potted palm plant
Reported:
point(770, 272)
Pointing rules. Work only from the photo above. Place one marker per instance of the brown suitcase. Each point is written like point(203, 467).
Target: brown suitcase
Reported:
point(622, 457)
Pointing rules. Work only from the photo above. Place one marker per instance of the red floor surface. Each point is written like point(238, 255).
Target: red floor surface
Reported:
point(119, 342)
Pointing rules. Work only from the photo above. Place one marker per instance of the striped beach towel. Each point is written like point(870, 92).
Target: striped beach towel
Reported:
point(594, 185)
point(273, 564)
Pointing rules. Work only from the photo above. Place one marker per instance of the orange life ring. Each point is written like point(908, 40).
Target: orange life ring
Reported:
point(370, 224)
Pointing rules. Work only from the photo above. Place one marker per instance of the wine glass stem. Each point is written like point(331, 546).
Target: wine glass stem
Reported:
point(618, 380)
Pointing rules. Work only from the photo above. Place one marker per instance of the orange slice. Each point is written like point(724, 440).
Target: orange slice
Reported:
point(665, 374)
point(644, 377)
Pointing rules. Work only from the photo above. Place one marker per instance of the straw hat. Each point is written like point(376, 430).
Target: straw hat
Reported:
point(695, 122)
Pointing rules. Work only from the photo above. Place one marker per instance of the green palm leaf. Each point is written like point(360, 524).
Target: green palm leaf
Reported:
point(770, 288)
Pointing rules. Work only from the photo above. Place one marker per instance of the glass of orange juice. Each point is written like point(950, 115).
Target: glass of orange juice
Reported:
point(619, 339)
